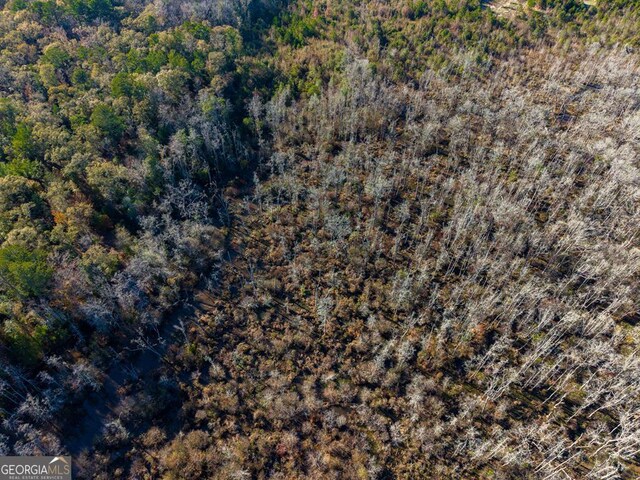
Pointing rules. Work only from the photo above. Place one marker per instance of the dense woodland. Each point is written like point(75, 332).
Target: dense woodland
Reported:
point(321, 239)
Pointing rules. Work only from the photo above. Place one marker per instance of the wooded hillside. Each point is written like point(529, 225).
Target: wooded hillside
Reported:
point(322, 239)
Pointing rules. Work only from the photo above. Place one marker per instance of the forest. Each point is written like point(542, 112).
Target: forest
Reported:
point(321, 239)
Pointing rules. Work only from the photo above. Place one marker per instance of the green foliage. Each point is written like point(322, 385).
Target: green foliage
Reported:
point(23, 145)
point(112, 184)
point(28, 336)
point(21, 207)
point(294, 29)
point(154, 61)
point(48, 11)
point(178, 61)
point(56, 56)
point(25, 343)
point(419, 9)
point(123, 85)
point(22, 167)
point(24, 272)
point(7, 125)
point(107, 122)
point(538, 24)
point(199, 30)
point(7, 118)
point(92, 9)
point(17, 5)
point(79, 76)
point(105, 261)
